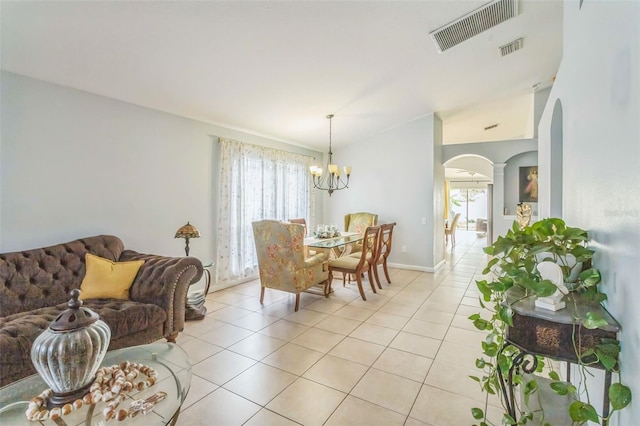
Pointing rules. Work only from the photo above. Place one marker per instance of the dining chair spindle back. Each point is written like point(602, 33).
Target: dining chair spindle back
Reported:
point(361, 263)
point(384, 250)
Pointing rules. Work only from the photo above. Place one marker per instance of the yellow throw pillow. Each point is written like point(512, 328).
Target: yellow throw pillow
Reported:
point(107, 279)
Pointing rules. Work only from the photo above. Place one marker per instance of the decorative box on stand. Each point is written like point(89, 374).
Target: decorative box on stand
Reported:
point(552, 334)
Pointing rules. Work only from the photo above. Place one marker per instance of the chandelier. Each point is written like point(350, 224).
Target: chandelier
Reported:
point(331, 181)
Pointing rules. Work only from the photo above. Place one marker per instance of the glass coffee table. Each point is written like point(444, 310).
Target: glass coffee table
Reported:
point(174, 378)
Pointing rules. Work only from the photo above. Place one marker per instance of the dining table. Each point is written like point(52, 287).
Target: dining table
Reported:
point(334, 247)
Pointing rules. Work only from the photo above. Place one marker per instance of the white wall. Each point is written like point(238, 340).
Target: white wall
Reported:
point(393, 176)
point(598, 86)
point(76, 164)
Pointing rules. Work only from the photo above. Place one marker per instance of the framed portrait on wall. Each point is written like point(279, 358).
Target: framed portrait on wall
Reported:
point(529, 184)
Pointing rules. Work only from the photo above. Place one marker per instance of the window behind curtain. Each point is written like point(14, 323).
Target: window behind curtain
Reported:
point(255, 183)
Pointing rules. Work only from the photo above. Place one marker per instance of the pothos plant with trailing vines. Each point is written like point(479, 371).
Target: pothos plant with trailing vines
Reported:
point(514, 265)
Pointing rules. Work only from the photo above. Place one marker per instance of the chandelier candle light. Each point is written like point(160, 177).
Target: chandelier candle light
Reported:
point(331, 181)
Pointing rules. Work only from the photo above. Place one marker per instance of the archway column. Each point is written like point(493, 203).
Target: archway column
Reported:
point(498, 219)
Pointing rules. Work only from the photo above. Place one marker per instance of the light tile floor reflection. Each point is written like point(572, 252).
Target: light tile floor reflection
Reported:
point(402, 357)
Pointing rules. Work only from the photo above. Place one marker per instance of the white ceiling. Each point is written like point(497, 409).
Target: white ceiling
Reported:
point(277, 68)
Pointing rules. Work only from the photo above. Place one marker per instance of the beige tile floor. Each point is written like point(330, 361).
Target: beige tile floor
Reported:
point(402, 357)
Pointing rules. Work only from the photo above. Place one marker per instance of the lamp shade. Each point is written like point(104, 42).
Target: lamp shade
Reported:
point(187, 231)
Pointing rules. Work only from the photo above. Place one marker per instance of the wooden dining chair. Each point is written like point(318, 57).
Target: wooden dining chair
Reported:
point(307, 252)
point(358, 265)
point(384, 250)
point(301, 222)
point(451, 230)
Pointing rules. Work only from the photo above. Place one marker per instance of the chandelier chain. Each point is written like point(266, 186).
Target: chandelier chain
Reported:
point(332, 177)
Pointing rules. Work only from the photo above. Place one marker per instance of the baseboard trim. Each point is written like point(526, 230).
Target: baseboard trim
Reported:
point(418, 268)
point(226, 284)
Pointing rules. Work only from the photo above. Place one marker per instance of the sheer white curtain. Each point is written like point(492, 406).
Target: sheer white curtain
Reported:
point(255, 183)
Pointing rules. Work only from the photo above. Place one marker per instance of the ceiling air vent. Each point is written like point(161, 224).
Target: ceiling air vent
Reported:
point(473, 23)
point(510, 47)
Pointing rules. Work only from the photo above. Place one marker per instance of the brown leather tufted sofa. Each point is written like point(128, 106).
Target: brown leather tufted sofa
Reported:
point(35, 286)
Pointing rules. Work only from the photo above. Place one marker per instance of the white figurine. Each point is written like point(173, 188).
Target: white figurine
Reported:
point(551, 271)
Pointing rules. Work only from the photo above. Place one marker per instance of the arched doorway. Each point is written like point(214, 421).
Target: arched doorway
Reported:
point(468, 192)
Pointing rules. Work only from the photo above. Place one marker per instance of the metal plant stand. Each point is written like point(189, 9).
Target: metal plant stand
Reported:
point(552, 334)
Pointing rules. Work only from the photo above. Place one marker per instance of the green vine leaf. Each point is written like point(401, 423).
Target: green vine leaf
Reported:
point(581, 412)
point(482, 324)
point(490, 349)
point(582, 253)
point(477, 413)
point(553, 375)
point(484, 289)
point(608, 354)
point(505, 363)
point(502, 245)
point(590, 277)
point(490, 264)
point(594, 320)
point(545, 288)
point(529, 389)
point(562, 388)
point(508, 420)
point(619, 395)
point(506, 315)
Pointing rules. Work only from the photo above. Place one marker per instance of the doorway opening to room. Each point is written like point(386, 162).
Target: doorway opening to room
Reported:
point(471, 203)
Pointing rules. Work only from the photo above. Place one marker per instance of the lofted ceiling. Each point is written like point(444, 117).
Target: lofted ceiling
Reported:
point(277, 68)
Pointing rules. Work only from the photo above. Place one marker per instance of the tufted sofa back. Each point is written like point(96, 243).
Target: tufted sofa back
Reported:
point(43, 277)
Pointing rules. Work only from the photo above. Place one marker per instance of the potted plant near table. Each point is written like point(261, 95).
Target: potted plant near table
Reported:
point(513, 265)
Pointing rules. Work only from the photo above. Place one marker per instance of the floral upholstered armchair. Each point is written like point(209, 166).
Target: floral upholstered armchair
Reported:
point(358, 222)
point(281, 260)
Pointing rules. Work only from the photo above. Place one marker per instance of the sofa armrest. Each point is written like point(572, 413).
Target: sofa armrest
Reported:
point(164, 281)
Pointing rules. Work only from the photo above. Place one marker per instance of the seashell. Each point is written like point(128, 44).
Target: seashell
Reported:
point(87, 399)
point(66, 409)
point(55, 413)
point(116, 388)
point(29, 413)
point(108, 413)
point(140, 385)
point(43, 415)
point(107, 396)
point(77, 404)
point(124, 365)
point(122, 414)
point(151, 381)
